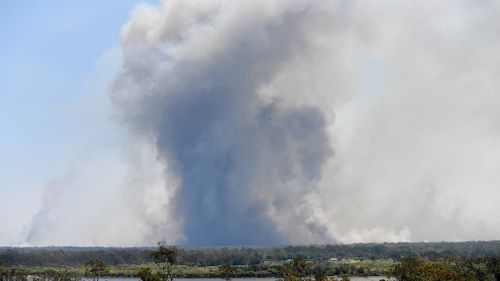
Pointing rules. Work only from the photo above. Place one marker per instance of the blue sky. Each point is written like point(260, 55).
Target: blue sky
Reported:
point(53, 54)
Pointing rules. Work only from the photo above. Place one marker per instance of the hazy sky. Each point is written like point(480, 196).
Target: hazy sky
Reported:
point(248, 122)
point(54, 55)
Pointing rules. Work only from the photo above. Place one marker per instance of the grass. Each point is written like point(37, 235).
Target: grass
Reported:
point(357, 268)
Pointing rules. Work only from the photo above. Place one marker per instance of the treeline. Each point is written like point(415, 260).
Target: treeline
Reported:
point(73, 256)
point(417, 268)
point(165, 266)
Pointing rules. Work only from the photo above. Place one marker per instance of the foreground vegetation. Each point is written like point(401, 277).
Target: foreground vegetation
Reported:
point(410, 268)
point(415, 261)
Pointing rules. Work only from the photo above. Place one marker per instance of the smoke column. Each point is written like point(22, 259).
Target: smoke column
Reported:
point(195, 70)
point(239, 96)
point(295, 121)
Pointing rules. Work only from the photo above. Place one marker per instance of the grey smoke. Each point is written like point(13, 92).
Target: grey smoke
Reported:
point(260, 122)
point(239, 97)
point(239, 156)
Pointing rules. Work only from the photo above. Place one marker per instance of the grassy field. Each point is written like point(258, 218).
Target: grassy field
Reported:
point(355, 268)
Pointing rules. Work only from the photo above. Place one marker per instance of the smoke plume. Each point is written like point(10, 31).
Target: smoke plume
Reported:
point(239, 97)
point(310, 121)
point(191, 80)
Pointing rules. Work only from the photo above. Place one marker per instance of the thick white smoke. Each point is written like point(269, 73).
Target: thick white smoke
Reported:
point(297, 121)
point(192, 81)
point(418, 151)
point(412, 84)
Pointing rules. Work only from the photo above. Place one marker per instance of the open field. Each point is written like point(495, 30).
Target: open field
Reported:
point(358, 268)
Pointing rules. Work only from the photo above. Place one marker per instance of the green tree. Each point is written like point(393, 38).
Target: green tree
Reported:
point(296, 270)
point(3, 272)
point(288, 274)
point(300, 267)
point(226, 271)
point(12, 274)
point(320, 272)
point(95, 268)
point(166, 260)
point(146, 274)
point(417, 269)
point(493, 266)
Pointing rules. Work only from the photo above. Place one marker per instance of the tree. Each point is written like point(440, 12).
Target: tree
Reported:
point(320, 276)
point(493, 266)
point(166, 260)
point(95, 268)
point(3, 272)
point(409, 269)
point(300, 267)
point(296, 270)
point(320, 272)
point(146, 274)
point(417, 269)
point(288, 274)
point(226, 271)
point(12, 274)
